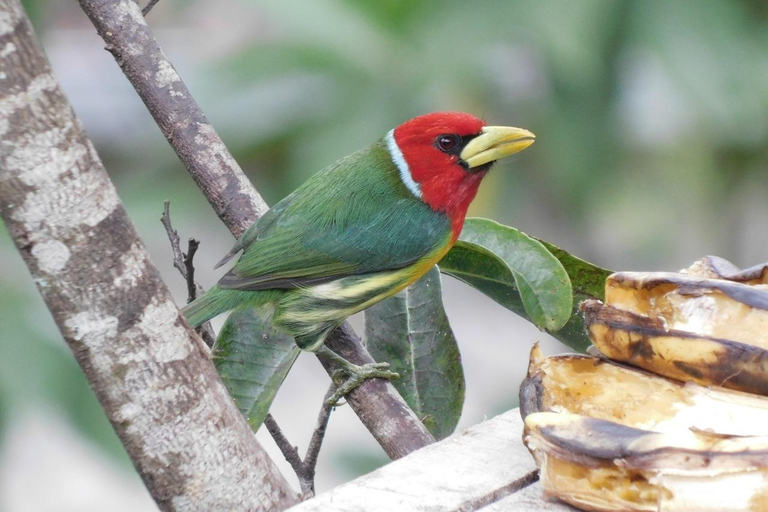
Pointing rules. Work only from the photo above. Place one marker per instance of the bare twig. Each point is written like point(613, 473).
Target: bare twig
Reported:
point(193, 288)
point(316, 441)
point(185, 265)
point(289, 451)
point(173, 236)
point(237, 203)
point(149, 7)
point(304, 469)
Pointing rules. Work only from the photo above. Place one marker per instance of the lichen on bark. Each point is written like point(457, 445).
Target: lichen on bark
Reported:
point(151, 373)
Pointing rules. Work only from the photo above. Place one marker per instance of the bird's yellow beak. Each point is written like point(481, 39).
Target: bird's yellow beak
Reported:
point(494, 143)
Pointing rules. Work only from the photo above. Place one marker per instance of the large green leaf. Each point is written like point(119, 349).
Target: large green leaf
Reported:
point(484, 271)
point(587, 279)
point(253, 360)
point(513, 269)
point(488, 272)
point(410, 330)
point(588, 282)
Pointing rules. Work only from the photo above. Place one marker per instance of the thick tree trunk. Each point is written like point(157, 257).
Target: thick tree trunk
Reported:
point(151, 373)
point(120, 23)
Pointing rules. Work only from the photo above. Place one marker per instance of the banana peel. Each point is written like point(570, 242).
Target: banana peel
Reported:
point(670, 416)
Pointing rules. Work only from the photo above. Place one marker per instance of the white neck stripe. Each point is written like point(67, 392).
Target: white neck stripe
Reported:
point(402, 165)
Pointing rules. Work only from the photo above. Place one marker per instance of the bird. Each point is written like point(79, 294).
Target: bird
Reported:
point(359, 231)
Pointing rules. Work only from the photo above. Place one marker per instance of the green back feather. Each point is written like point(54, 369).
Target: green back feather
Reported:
point(354, 217)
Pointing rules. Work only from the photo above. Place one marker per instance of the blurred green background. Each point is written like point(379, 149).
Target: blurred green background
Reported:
point(652, 134)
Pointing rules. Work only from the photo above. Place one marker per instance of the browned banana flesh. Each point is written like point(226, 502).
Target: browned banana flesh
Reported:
point(605, 390)
point(715, 308)
point(601, 465)
point(648, 343)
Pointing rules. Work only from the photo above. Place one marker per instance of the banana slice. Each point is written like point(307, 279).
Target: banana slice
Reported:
point(715, 308)
point(596, 464)
point(707, 324)
point(663, 434)
point(647, 342)
point(605, 390)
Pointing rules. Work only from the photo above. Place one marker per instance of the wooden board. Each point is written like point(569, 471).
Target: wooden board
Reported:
point(480, 466)
point(528, 499)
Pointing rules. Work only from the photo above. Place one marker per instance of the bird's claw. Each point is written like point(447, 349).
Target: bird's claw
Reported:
point(356, 376)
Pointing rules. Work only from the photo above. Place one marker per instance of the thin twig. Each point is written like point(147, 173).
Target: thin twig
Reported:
point(313, 450)
point(192, 286)
point(290, 452)
point(173, 236)
point(185, 265)
point(304, 469)
point(149, 7)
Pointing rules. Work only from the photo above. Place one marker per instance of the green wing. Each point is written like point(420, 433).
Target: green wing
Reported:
point(354, 217)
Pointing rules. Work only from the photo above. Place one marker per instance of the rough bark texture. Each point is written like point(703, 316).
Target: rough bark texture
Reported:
point(151, 373)
point(120, 24)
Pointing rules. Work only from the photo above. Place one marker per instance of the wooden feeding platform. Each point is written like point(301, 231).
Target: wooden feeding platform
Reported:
point(485, 467)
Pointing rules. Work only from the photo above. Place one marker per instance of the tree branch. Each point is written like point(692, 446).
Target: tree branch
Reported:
point(233, 198)
point(376, 402)
point(151, 374)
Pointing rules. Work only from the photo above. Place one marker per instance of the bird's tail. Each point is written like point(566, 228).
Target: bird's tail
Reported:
point(217, 300)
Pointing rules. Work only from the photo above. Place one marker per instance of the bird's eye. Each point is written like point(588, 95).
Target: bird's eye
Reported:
point(448, 143)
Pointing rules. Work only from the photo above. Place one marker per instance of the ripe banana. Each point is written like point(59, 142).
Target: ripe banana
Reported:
point(605, 390)
point(709, 331)
point(601, 465)
point(669, 436)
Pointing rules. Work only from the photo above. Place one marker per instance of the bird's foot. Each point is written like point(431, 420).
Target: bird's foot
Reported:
point(356, 375)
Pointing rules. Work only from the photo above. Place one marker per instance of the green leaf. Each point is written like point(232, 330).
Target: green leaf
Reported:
point(486, 271)
point(588, 282)
point(410, 330)
point(513, 269)
point(253, 359)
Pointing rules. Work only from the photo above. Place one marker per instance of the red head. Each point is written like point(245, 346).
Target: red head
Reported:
point(443, 157)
